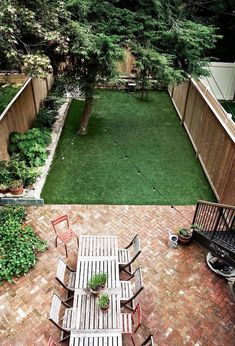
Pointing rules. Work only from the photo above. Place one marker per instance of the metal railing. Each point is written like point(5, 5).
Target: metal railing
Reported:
point(216, 222)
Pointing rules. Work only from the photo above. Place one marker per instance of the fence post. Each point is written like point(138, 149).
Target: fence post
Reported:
point(34, 99)
point(186, 102)
point(198, 149)
point(47, 85)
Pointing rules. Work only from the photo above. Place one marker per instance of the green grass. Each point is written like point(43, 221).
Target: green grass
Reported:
point(229, 106)
point(6, 95)
point(94, 170)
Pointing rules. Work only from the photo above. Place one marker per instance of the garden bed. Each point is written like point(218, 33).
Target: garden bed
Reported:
point(7, 92)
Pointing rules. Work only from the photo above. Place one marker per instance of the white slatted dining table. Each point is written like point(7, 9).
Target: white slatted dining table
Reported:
point(93, 326)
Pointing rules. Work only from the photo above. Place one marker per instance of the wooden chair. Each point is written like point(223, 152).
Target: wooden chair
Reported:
point(231, 286)
point(51, 342)
point(148, 341)
point(66, 277)
point(130, 323)
point(127, 295)
point(63, 231)
point(63, 323)
point(128, 255)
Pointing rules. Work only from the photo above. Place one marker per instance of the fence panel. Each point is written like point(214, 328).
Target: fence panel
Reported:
point(221, 80)
point(19, 115)
point(212, 135)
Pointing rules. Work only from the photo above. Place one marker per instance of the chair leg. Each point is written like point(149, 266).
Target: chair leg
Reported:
point(133, 342)
point(66, 251)
point(55, 241)
point(78, 242)
point(64, 336)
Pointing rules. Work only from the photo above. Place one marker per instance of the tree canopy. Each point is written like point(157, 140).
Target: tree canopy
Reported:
point(90, 37)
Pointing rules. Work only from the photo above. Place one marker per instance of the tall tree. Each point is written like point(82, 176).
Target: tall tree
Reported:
point(221, 14)
point(90, 36)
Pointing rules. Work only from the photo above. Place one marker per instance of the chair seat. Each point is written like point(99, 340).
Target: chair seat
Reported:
point(71, 282)
point(68, 319)
point(126, 323)
point(123, 256)
point(126, 291)
point(66, 236)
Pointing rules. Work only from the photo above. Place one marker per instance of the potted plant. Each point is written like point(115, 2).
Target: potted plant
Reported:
point(16, 187)
point(103, 301)
point(97, 283)
point(185, 235)
point(3, 188)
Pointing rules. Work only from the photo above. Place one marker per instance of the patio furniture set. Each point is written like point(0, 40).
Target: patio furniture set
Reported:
point(80, 318)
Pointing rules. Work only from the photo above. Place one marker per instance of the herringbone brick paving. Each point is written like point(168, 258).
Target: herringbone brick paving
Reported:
point(183, 302)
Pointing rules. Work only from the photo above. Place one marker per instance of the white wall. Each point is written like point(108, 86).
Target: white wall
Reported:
point(222, 80)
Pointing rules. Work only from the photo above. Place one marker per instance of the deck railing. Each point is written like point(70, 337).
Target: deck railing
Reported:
point(216, 222)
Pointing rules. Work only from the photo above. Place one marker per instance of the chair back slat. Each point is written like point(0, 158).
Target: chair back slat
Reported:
point(136, 244)
point(138, 280)
point(55, 308)
point(61, 268)
point(60, 219)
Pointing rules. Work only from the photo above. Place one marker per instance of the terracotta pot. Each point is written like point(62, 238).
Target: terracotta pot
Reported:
point(17, 190)
point(4, 190)
point(184, 240)
point(95, 293)
point(105, 308)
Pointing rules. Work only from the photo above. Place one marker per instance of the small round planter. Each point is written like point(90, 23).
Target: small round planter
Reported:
point(17, 190)
point(183, 239)
point(95, 293)
point(104, 308)
point(4, 191)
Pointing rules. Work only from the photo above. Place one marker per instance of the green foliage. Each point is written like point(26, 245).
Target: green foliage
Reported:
point(4, 172)
point(184, 232)
point(49, 110)
point(45, 118)
point(7, 92)
point(103, 301)
point(19, 170)
point(97, 281)
point(18, 244)
point(33, 32)
point(90, 37)
point(15, 184)
point(30, 146)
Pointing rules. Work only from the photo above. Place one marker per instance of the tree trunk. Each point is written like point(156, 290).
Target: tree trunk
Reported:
point(85, 116)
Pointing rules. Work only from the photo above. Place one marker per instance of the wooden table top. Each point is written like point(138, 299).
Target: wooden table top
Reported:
point(93, 326)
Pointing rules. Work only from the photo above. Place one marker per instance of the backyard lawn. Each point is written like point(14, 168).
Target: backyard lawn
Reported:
point(136, 152)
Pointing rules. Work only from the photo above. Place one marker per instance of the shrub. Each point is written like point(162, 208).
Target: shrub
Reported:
point(30, 146)
point(45, 118)
point(18, 244)
point(18, 170)
point(4, 172)
point(54, 101)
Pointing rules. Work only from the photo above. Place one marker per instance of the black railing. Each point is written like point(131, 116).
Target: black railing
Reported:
point(216, 222)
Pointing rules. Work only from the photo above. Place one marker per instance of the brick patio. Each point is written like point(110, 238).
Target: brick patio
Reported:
point(183, 302)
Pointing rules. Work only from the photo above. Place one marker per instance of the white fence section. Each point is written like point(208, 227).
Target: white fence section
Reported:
point(221, 81)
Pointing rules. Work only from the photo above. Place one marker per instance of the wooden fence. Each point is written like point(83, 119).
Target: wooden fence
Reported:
point(20, 113)
point(127, 65)
point(212, 134)
point(12, 78)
